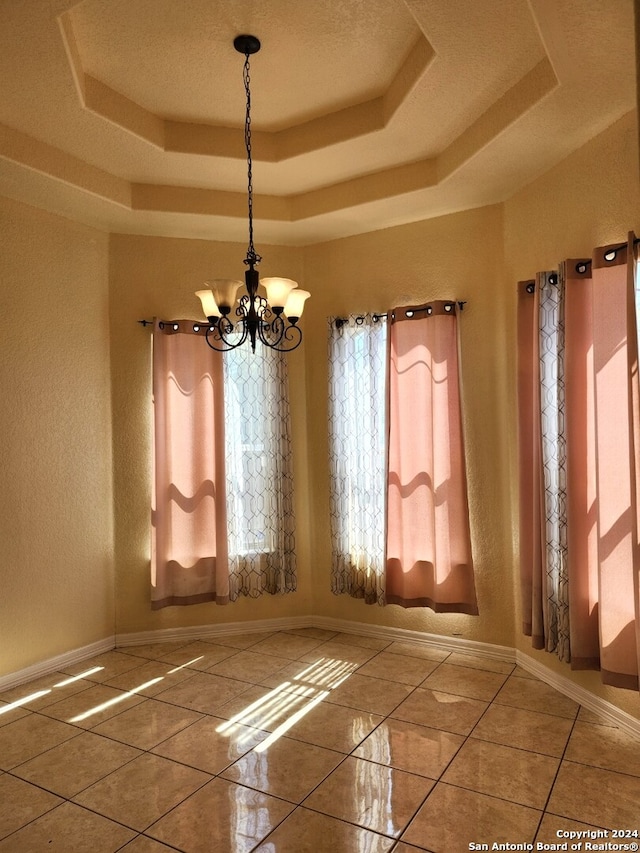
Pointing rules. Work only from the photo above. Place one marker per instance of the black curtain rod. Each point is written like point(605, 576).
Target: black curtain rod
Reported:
point(612, 250)
point(377, 316)
point(176, 326)
point(163, 323)
point(587, 262)
point(582, 264)
point(340, 321)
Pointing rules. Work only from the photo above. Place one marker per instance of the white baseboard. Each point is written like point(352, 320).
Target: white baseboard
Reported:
point(29, 673)
point(449, 644)
point(564, 685)
point(403, 635)
point(583, 697)
point(258, 626)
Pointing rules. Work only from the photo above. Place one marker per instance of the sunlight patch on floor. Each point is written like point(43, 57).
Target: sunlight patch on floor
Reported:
point(31, 697)
point(115, 701)
point(289, 701)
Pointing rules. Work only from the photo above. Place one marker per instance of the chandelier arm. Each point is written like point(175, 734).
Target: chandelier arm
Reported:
point(293, 337)
point(289, 338)
point(272, 330)
point(218, 334)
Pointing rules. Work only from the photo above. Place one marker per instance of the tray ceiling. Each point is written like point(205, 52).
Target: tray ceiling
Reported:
point(128, 114)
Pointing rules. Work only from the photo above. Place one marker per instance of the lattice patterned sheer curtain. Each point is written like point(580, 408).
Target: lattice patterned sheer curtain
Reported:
point(357, 357)
point(549, 300)
point(222, 516)
point(260, 513)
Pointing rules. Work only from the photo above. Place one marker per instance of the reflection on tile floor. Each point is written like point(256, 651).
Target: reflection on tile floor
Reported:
point(304, 740)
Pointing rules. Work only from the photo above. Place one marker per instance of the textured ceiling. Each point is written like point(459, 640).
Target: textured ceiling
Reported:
point(128, 114)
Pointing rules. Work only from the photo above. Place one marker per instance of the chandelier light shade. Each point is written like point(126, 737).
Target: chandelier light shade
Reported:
point(273, 319)
point(295, 304)
point(278, 290)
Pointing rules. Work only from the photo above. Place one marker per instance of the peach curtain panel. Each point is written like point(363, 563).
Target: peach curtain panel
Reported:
point(601, 428)
point(615, 367)
point(428, 546)
point(189, 561)
point(582, 505)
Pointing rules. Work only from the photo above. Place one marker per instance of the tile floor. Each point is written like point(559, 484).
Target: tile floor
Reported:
point(301, 741)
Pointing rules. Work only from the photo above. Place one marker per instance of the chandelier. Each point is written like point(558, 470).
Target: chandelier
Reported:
point(273, 321)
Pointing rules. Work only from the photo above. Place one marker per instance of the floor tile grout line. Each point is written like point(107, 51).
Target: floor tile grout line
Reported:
point(205, 715)
point(218, 775)
point(82, 790)
point(385, 717)
point(467, 738)
point(457, 752)
point(495, 797)
point(141, 751)
point(65, 801)
point(585, 822)
point(603, 769)
point(143, 835)
point(297, 806)
point(96, 781)
point(414, 687)
point(556, 774)
point(84, 728)
point(37, 817)
point(345, 756)
point(351, 754)
point(44, 751)
point(393, 838)
point(159, 694)
point(512, 746)
point(153, 822)
point(147, 660)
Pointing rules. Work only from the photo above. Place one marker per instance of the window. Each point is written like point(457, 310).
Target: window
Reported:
point(399, 508)
point(222, 517)
point(357, 348)
point(251, 449)
point(260, 512)
point(578, 427)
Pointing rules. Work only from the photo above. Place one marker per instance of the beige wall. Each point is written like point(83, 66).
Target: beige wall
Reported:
point(158, 277)
point(453, 257)
point(590, 199)
point(55, 422)
point(58, 578)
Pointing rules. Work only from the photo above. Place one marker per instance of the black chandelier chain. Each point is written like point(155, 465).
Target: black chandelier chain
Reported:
point(256, 319)
point(252, 256)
